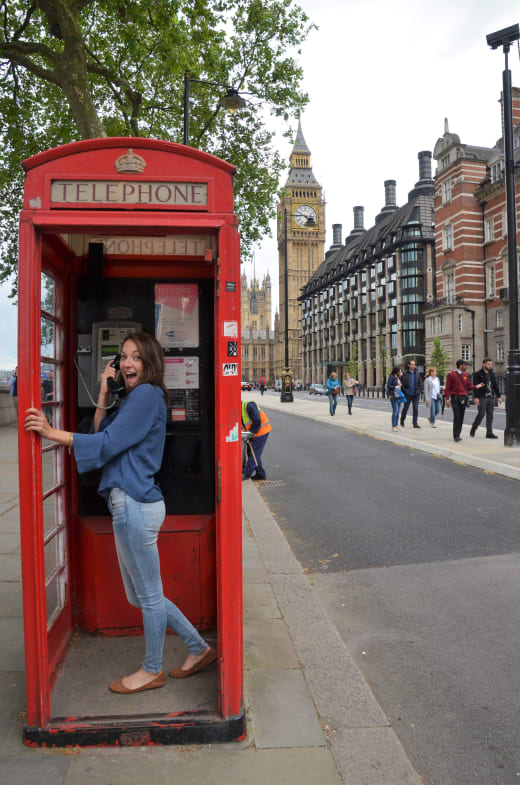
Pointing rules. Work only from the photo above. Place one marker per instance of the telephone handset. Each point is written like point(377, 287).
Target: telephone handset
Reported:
point(116, 388)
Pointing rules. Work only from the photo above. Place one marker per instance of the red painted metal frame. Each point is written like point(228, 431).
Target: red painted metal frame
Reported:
point(39, 227)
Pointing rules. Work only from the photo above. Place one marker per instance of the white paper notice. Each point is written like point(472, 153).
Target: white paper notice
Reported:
point(181, 373)
point(177, 315)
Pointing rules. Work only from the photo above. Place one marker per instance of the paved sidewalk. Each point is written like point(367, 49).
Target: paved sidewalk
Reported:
point(487, 454)
point(311, 716)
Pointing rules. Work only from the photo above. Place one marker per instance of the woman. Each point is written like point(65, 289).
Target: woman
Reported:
point(350, 385)
point(432, 394)
point(128, 443)
point(333, 392)
point(395, 394)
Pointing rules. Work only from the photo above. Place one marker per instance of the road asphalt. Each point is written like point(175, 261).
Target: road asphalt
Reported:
point(311, 715)
point(487, 454)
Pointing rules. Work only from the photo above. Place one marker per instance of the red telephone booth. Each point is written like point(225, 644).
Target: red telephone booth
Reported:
point(118, 235)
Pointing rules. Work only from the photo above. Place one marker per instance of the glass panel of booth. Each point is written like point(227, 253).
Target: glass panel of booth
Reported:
point(48, 337)
point(48, 293)
point(55, 597)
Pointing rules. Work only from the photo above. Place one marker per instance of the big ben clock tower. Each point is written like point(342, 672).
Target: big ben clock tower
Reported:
point(302, 211)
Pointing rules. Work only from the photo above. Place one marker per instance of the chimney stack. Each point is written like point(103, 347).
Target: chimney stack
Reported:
point(390, 200)
point(390, 193)
point(425, 185)
point(337, 230)
point(425, 165)
point(358, 221)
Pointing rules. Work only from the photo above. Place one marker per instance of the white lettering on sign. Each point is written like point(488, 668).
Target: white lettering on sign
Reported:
point(129, 192)
point(172, 245)
point(229, 369)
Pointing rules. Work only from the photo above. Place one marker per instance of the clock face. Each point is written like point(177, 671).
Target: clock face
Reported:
point(303, 214)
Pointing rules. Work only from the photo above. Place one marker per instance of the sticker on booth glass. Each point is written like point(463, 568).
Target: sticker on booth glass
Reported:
point(233, 434)
point(231, 286)
point(232, 348)
point(231, 329)
point(178, 415)
point(230, 369)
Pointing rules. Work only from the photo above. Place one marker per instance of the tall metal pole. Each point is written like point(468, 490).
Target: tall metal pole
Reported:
point(186, 107)
point(512, 382)
point(286, 395)
point(286, 304)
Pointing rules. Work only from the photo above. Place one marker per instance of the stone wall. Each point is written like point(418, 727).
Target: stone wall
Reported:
point(7, 410)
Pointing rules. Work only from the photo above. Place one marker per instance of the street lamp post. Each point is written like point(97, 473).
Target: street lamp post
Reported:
point(505, 38)
point(231, 101)
point(472, 312)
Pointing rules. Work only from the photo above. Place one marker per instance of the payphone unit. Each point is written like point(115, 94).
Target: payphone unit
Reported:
point(95, 350)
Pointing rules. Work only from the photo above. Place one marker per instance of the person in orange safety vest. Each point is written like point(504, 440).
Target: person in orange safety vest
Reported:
point(254, 419)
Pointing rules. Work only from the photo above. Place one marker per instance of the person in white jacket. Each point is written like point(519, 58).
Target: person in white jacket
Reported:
point(432, 394)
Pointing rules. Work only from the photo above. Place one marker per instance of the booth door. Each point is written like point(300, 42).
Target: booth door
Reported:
point(53, 468)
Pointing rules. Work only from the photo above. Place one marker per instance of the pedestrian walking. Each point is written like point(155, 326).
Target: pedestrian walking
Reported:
point(350, 386)
point(432, 395)
point(255, 420)
point(456, 392)
point(127, 444)
point(486, 398)
point(395, 394)
point(412, 388)
point(333, 392)
point(13, 388)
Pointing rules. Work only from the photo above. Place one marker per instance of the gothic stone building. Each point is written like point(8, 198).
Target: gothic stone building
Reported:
point(302, 200)
point(363, 308)
point(468, 302)
point(258, 340)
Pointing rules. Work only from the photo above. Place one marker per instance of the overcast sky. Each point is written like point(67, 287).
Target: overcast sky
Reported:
point(381, 78)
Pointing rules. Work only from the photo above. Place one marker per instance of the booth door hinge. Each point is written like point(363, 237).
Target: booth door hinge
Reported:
point(219, 483)
point(217, 285)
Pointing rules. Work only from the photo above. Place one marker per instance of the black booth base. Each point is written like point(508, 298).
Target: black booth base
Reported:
point(138, 731)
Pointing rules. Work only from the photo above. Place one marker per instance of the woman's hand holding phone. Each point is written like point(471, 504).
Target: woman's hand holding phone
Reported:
point(109, 373)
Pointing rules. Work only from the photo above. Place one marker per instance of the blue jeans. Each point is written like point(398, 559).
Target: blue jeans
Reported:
point(396, 405)
point(251, 467)
point(414, 400)
point(350, 400)
point(435, 407)
point(136, 527)
point(333, 402)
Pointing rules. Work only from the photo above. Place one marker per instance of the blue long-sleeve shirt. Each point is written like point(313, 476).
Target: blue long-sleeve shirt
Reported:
point(331, 383)
point(254, 414)
point(129, 445)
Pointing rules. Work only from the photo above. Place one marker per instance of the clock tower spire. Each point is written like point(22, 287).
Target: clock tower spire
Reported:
point(305, 206)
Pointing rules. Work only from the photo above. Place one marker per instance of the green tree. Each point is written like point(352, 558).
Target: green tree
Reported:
point(440, 358)
point(77, 69)
point(385, 354)
point(353, 364)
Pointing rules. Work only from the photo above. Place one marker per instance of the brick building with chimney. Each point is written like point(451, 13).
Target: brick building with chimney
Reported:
point(467, 305)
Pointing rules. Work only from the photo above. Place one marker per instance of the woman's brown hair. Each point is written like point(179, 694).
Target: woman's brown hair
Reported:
point(153, 360)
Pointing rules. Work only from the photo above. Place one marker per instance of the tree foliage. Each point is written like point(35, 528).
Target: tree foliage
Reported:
point(353, 363)
point(440, 358)
point(77, 69)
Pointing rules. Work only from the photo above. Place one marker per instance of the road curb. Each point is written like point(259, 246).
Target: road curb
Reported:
point(362, 742)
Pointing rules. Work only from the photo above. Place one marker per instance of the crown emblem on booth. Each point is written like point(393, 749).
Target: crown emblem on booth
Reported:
point(130, 163)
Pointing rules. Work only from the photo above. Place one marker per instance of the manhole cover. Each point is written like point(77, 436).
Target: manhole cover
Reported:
point(273, 483)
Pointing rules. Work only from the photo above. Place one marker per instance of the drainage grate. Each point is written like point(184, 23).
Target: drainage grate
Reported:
point(272, 483)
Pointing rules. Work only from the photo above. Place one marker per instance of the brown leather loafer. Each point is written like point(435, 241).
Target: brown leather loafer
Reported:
point(181, 673)
point(119, 687)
